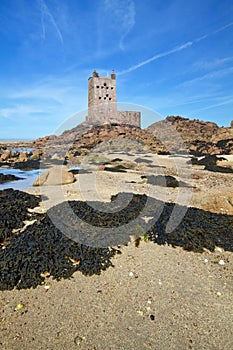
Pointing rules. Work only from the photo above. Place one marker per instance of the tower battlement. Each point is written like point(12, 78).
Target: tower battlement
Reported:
point(102, 102)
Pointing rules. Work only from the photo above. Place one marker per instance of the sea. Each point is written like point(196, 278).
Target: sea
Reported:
point(28, 177)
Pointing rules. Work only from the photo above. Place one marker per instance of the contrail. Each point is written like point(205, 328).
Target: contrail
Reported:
point(153, 58)
point(45, 12)
point(175, 49)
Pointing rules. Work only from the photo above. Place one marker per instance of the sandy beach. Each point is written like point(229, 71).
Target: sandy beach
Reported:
point(154, 296)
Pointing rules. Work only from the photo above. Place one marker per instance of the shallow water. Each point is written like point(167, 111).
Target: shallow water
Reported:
point(21, 149)
point(28, 177)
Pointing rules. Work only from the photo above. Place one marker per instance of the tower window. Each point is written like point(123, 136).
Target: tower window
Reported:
point(109, 98)
point(97, 86)
point(100, 98)
point(106, 95)
point(111, 88)
point(105, 84)
point(102, 87)
point(104, 98)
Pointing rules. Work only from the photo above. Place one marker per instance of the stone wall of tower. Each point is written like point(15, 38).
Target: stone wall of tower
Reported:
point(101, 98)
point(129, 117)
point(102, 103)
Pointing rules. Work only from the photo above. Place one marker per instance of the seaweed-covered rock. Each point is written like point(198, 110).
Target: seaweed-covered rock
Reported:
point(14, 210)
point(8, 178)
point(161, 180)
point(30, 164)
point(199, 229)
point(210, 163)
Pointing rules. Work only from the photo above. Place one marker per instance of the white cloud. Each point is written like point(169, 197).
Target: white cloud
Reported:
point(45, 13)
point(174, 50)
point(215, 74)
point(19, 110)
point(123, 15)
point(156, 57)
point(207, 64)
point(222, 102)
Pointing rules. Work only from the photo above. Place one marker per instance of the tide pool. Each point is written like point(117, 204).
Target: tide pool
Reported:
point(28, 177)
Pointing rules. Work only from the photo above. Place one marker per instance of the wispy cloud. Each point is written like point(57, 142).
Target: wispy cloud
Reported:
point(123, 13)
point(19, 110)
point(156, 57)
point(223, 102)
point(45, 13)
point(174, 50)
point(215, 63)
point(215, 74)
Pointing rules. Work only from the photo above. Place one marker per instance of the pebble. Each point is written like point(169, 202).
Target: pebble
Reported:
point(219, 294)
point(131, 274)
point(152, 317)
point(218, 249)
point(140, 312)
point(221, 262)
point(206, 261)
point(78, 340)
point(19, 307)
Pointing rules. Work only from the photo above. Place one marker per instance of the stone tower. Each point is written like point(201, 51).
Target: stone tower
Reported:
point(102, 98)
point(102, 103)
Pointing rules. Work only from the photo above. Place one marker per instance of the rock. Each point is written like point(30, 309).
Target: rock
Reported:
point(36, 154)
point(27, 165)
point(58, 175)
point(101, 167)
point(57, 157)
point(200, 137)
point(6, 155)
point(23, 157)
point(160, 180)
point(8, 178)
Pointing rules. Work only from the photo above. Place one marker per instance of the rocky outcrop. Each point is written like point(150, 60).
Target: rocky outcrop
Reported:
point(175, 134)
point(198, 136)
point(79, 140)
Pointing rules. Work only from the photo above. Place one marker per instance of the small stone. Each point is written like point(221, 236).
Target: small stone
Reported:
point(206, 261)
point(140, 312)
point(152, 317)
point(45, 274)
point(148, 308)
point(221, 262)
point(131, 274)
point(219, 294)
point(19, 307)
point(78, 340)
point(47, 286)
point(218, 249)
point(149, 301)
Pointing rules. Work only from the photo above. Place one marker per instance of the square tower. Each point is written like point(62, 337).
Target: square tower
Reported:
point(102, 105)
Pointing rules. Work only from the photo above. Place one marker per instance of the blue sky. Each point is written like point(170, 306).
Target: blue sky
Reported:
point(173, 57)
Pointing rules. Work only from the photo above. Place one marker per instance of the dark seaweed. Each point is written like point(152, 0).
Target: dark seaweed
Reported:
point(43, 247)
